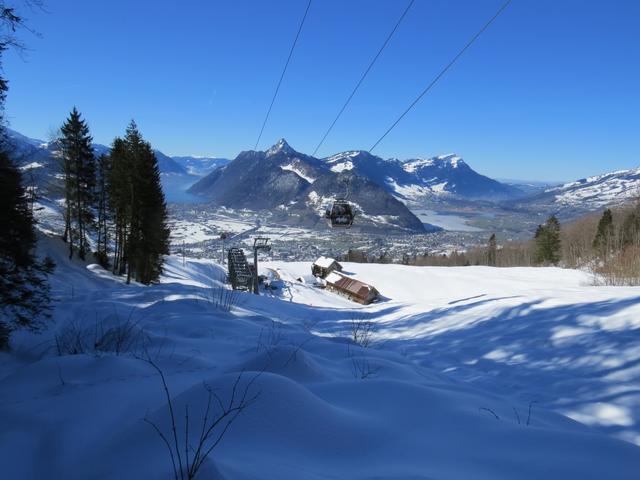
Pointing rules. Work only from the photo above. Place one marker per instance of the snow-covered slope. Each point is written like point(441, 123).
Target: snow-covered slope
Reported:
point(470, 374)
point(598, 191)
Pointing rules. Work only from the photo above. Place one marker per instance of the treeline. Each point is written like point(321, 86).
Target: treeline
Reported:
point(116, 199)
point(607, 244)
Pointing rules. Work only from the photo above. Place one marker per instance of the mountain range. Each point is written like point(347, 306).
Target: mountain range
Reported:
point(39, 160)
point(297, 188)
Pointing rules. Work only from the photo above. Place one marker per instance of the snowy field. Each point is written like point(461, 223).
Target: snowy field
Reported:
point(469, 373)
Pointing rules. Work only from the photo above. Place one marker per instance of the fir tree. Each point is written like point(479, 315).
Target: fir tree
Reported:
point(547, 241)
point(138, 207)
point(603, 241)
point(119, 178)
point(80, 175)
point(152, 239)
point(24, 291)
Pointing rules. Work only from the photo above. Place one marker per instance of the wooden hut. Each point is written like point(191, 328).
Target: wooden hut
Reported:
point(324, 266)
point(353, 289)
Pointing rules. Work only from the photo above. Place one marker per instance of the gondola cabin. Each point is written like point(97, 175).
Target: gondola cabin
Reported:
point(340, 215)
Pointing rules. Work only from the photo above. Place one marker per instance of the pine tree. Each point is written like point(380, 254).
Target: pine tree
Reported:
point(547, 242)
point(80, 175)
point(603, 241)
point(492, 250)
point(138, 207)
point(24, 291)
point(118, 179)
point(152, 240)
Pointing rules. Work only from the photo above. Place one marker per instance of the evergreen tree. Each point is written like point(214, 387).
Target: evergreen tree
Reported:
point(630, 230)
point(152, 239)
point(492, 251)
point(138, 207)
point(80, 177)
point(119, 178)
point(24, 291)
point(547, 241)
point(603, 241)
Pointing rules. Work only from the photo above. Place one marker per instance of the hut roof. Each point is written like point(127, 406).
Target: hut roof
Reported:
point(325, 262)
point(351, 285)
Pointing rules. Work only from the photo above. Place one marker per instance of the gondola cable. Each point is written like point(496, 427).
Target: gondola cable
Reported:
point(284, 70)
point(364, 75)
point(442, 72)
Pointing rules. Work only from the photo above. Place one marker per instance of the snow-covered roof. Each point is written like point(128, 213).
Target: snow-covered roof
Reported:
point(333, 277)
point(350, 285)
point(324, 262)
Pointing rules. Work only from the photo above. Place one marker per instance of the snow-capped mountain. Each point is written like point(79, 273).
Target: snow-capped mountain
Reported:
point(419, 179)
point(599, 191)
point(586, 195)
point(300, 187)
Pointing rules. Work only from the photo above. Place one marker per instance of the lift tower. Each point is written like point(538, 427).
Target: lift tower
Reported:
point(259, 243)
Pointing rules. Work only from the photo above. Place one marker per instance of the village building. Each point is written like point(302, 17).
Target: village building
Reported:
point(353, 289)
point(323, 266)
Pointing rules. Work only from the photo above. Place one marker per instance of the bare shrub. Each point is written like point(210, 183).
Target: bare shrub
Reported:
point(187, 458)
point(269, 338)
point(361, 334)
point(361, 367)
point(111, 335)
point(361, 331)
point(622, 268)
point(223, 298)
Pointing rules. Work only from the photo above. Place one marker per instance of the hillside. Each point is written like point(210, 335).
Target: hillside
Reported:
point(471, 373)
point(588, 194)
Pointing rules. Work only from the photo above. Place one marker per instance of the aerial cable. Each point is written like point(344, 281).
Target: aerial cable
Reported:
point(364, 75)
point(275, 94)
point(442, 72)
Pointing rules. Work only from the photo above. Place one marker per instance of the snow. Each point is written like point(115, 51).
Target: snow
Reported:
point(599, 191)
point(280, 146)
point(31, 166)
point(410, 192)
point(452, 349)
point(342, 167)
point(293, 168)
point(449, 159)
point(324, 262)
point(342, 156)
point(333, 277)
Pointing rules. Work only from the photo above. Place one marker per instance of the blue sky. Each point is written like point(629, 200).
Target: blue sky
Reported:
point(550, 92)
